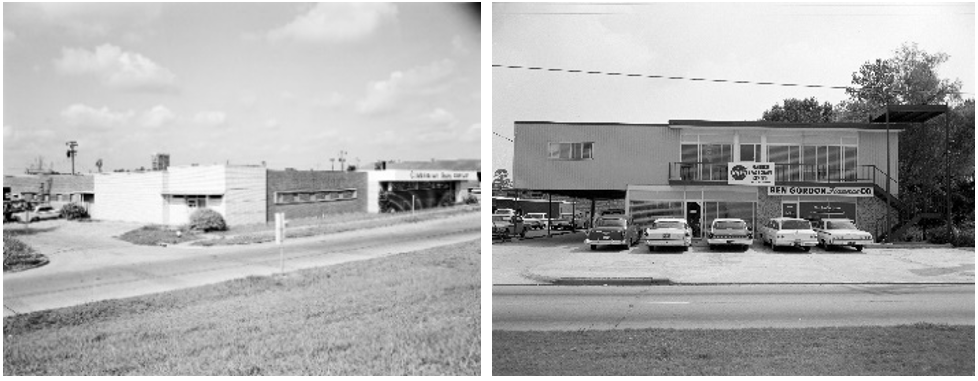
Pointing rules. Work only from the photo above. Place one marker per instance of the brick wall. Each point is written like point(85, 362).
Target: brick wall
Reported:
point(280, 181)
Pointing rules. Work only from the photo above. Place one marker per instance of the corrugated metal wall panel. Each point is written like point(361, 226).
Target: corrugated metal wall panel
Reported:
point(648, 149)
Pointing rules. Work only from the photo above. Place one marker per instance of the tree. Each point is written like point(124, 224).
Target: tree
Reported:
point(910, 78)
point(501, 180)
point(800, 111)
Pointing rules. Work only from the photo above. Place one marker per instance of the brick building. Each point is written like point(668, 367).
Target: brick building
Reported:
point(304, 194)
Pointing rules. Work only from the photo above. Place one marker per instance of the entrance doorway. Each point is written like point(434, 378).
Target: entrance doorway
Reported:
point(789, 209)
point(694, 216)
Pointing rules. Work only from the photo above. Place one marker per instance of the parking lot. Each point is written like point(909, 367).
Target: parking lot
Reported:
point(541, 260)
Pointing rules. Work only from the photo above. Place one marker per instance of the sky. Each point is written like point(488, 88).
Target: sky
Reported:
point(292, 85)
point(803, 43)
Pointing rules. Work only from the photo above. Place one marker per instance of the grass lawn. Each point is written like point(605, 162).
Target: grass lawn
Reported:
point(153, 235)
point(18, 256)
point(307, 227)
point(919, 349)
point(410, 314)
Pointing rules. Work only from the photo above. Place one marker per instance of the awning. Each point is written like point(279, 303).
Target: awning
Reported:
point(910, 113)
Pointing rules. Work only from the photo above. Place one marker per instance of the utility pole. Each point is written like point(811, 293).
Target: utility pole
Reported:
point(72, 153)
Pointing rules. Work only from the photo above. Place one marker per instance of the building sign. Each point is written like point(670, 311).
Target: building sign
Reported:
point(750, 173)
point(821, 191)
point(442, 175)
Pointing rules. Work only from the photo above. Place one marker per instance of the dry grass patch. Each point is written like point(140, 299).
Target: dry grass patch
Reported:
point(919, 350)
point(410, 314)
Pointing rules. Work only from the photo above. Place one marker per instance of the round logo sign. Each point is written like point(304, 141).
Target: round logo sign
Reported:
point(738, 172)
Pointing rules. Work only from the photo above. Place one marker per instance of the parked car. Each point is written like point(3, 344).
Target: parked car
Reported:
point(669, 232)
point(505, 226)
point(788, 231)
point(510, 212)
point(42, 212)
point(612, 230)
point(620, 212)
point(729, 231)
point(841, 232)
point(578, 220)
point(536, 220)
point(564, 222)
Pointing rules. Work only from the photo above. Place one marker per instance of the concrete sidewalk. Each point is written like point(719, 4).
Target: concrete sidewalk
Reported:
point(566, 260)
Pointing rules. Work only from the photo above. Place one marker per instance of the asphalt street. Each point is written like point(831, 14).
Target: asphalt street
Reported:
point(153, 270)
point(731, 306)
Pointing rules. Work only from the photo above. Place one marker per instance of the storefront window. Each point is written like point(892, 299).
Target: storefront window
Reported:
point(644, 212)
point(721, 209)
point(750, 152)
point(787, 160)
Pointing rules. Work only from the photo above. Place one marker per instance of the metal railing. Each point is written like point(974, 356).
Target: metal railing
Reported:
point(785, 173)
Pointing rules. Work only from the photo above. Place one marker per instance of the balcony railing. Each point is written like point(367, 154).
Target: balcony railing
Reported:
point(783, 174)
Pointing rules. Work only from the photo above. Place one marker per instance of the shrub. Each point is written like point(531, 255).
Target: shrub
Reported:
point(74, 212)
point(959, 236)
point(207, 220)
point(471, 199)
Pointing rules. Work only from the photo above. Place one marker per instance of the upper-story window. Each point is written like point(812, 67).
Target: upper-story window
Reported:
point(571, 151)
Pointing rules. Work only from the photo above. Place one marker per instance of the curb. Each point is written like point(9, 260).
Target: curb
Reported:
point(648, 281)
point(612, 281)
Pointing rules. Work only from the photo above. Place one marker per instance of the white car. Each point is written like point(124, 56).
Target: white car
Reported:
point(669, 232)
point(729, 231)
point(537, 220)
point(788, 231)
point(44, 212)
point(841, 232)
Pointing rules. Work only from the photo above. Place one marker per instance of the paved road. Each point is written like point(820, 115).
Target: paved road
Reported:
point(744, 306)
point(151, 270)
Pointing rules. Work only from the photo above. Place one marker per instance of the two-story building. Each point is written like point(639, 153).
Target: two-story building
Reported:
point(684, 168)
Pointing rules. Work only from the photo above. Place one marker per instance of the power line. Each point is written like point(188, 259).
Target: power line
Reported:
point(672, 77)
point(504, 137)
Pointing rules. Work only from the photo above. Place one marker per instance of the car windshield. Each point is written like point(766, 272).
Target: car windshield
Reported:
point(536, 215)
point(795, 225)
point(667, 225)
point(730, 225)
point(501, 218)
point(610, 223)
point(839, 225)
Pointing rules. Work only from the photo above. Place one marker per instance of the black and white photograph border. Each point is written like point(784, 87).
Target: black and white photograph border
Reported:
point(733, 189)
point(243, 189)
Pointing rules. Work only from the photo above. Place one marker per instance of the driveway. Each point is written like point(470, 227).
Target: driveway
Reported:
point(563, 257)
point(94, 266)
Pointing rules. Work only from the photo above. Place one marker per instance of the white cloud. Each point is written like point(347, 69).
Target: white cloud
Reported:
point(441, 117)
point(210, 118)
point(85, 20)
point(329, 101)
point(116, 68)
point(8, 133)
point(459, 45)
point(335, 22)
point(472, 134)
point(384, 96)
point(8, 36)
point(83, 116)
point(158, 116)
point(272, 123)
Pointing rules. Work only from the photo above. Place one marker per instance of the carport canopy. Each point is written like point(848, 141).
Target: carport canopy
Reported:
point(909, 113)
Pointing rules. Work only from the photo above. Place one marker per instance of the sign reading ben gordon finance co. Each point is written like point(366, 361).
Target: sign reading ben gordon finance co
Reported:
point(750, 173)
point(821, 191)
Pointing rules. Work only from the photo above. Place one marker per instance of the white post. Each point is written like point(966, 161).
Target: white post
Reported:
point(412, 204)
point(280, 237)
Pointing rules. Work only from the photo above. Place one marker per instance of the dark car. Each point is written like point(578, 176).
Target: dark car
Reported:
point(612, 230)
point(505, 226)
